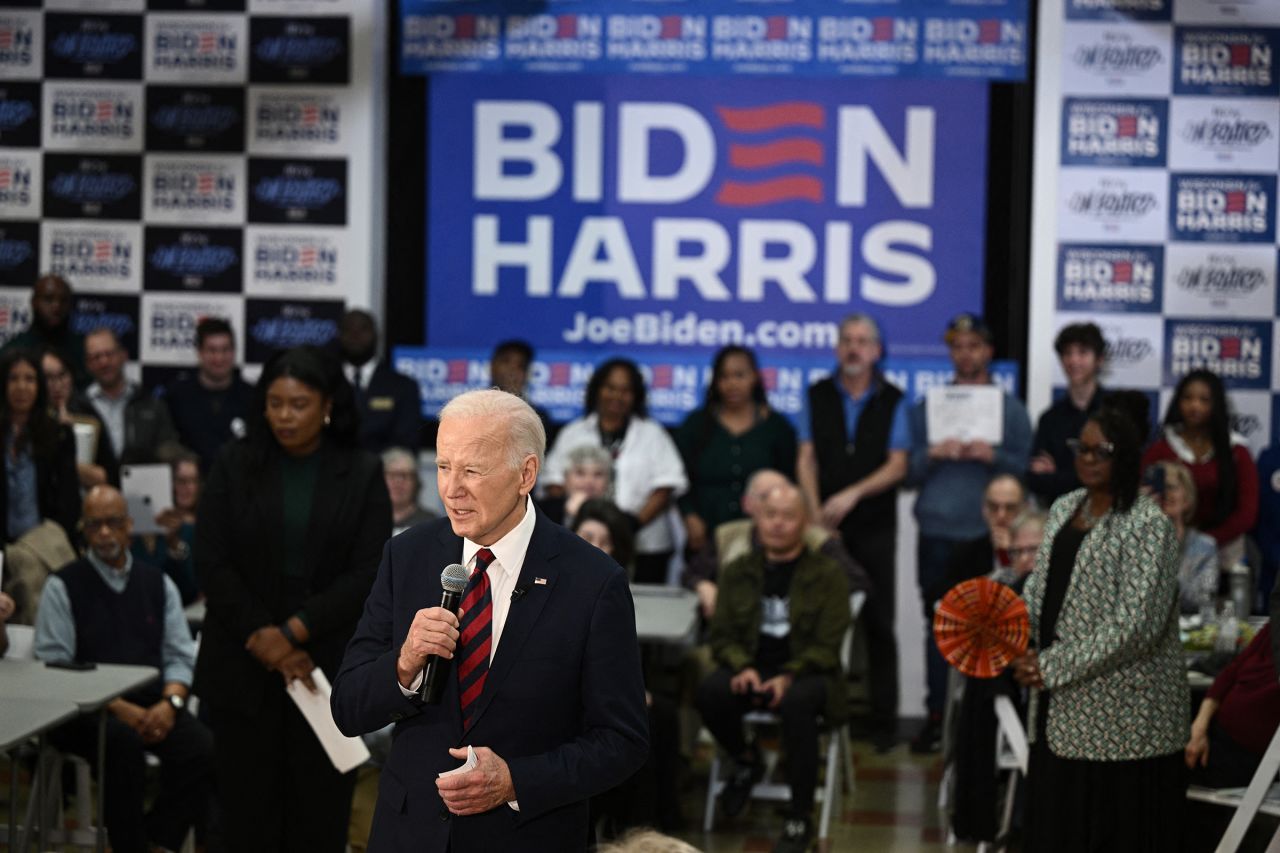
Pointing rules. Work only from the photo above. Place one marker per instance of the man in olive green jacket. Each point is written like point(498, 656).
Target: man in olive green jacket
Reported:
point(781, 615)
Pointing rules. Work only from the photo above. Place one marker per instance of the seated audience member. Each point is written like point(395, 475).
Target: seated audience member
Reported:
point(776, 638)
point(1197, 433)
point(138, 425)
point(1171, 485)
point(600, 522)
point(509, 370)
point(404, 484)
point(732, 436)
point(210, 408)
point(389, 403)
point(1082, 353)
point(8, 607)
point(39, 482)
point(589, 474)
point(647, 841)
point(648, 473)
point(51, 304)
point(111, 608)
point(1003, 501)
point(1026, 534)
point(172, 551)
point(734, 539)
point(71, 408)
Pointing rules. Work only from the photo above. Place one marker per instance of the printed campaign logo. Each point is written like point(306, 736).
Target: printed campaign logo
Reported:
point(19, 256)
point(20, 115)
point(196, 5)
point(1251, 418)
point(92, 256)
point(1206, 280)
point(205, 259)
point(105, 187)
point(93, 117)
point(93, 46)
point(564, 41)
point(20, 44)
point(15, 305)
point(1110, 278)
point(169, 323)
point(1219, 134)
point(195, 119)
point(295, 191)
point(1112, 204)
point(291, 121)
point(1114, 133)
point(1223, 208)
point(884, 41)
point(1104, 60)
point(19, 185)
point(1232, 61)
point(1239, 351)
point(194, 189)
point(1133, 343)
point(762, 42)
point(443, 42)
point(1238, 13)
point(1132, 10)
point(657, 42)
point(976, 46)
point(119, 313)
point(289, 262)
point(203, 49)
point(300, 50)
point(281, 324)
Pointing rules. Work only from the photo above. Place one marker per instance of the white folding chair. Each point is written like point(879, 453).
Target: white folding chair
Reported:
point(1262, 795)
point(1012, 755)
point(839, 755)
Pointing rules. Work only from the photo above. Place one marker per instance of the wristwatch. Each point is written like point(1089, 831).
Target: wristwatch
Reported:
point(176, 701)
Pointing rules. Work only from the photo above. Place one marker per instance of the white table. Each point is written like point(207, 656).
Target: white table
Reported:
point(665, 614)
point(20, 720)
point(88, 691)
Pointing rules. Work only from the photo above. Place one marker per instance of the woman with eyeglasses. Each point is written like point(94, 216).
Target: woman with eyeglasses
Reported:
point(291, 527)
point(1109, 702)
point(1197, 433)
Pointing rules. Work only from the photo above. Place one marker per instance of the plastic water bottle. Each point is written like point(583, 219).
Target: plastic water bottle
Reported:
point(1241, 591)
point(1228, 629)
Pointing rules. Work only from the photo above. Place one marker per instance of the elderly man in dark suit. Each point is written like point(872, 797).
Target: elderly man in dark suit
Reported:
point(543, 679)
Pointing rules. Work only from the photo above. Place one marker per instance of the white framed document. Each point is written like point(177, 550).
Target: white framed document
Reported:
point(965, 413)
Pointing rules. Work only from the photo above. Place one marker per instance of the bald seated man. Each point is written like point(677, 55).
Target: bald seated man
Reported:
point(110, 608)
point(776, 636)
point(51, 306)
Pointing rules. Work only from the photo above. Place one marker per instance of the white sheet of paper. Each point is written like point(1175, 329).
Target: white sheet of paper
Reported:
point(346, 753)
point(148, 490)
point(469, 764)
point(965, 413)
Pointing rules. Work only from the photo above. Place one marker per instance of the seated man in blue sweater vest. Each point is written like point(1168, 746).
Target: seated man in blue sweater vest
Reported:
point(111, 608)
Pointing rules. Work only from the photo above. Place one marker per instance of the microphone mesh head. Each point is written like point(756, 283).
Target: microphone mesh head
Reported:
point(454, 578)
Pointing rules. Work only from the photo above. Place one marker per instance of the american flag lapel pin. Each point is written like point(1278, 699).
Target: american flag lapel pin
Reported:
point(540, 581)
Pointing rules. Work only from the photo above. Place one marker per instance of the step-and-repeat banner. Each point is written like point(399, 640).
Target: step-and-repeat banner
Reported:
point(189, 158)
point(818, 38)
point(1158, 148)
point(618, 215)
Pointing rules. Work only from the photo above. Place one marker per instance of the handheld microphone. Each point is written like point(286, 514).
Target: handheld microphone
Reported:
point(436, 674)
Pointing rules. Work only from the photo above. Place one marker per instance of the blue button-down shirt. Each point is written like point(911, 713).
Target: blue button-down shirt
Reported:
point(55, 638)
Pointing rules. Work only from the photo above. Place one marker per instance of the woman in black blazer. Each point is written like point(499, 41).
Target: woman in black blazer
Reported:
point(290, 531)
point(38, 478)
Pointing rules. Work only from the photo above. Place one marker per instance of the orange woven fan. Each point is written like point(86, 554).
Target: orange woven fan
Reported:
point(980, 626)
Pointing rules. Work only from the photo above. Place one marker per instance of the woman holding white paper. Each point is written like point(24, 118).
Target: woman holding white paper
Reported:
point(291, 527)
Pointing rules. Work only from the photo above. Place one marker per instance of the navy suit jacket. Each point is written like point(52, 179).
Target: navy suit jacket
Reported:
point(563, 703)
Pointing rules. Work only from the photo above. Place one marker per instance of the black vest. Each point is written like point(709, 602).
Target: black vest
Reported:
point(118, 627)
point(841, 463)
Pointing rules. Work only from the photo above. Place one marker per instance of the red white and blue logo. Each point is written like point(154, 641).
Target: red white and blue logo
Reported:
point(1114, 132)
point(666, 42)
point(1119, 10)
point(883, 41)
point(563, 42)
point(1232, 61)
point(1110, 278)
point(1223, 208)
point(1237, 351)
point(977, 44)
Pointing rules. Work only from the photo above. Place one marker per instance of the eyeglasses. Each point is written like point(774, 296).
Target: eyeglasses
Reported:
point(115, 522)
point(1102, 452)
point(1025, 551)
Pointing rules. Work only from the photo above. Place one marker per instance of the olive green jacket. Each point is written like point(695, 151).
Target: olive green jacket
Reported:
point(819, 612)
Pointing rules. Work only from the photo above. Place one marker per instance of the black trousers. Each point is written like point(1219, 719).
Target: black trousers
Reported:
point(186, 776)
point(277, 789)
point(875, 551)
point(722, 711)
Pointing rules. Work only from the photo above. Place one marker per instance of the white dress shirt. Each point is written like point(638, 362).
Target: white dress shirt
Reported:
point(364, 373)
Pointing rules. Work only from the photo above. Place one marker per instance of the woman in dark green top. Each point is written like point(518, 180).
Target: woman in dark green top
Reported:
point(291, 528)
point(726, 441)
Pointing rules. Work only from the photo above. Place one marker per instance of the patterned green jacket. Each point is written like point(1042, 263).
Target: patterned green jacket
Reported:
point(1116, 671)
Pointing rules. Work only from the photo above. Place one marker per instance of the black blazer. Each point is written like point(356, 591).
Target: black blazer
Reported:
point(563, 703)
point(57, 486)
point(390, 411)
point(238, 557)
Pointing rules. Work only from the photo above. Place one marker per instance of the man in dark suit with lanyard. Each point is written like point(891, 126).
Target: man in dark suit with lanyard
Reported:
point(544, 681)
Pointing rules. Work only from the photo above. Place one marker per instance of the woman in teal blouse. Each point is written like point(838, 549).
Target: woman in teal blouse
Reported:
point(723, 443)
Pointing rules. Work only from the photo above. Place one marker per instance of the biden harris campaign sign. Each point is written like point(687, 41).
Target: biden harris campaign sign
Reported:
point(627, 214)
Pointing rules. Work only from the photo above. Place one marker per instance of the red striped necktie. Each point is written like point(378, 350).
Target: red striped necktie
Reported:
point(476, 637)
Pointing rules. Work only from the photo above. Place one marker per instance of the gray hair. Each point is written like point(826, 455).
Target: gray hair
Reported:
point(590, 454)
point(865, 319)
point(1028, 517)
point(526, 435)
